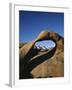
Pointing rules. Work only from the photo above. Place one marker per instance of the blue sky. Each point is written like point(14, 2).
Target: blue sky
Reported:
point(31, 23)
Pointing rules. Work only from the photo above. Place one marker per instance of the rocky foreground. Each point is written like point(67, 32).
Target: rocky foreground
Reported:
point(39, 63)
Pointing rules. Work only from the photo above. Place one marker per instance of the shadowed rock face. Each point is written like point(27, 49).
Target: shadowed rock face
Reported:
point(36, 64)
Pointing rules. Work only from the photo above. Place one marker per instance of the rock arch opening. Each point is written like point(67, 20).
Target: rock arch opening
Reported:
point(44, 45)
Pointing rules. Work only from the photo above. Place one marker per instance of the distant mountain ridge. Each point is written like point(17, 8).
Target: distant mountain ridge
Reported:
point(39, 47)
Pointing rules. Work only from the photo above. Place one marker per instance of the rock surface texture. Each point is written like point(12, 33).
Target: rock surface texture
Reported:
point(34, 63)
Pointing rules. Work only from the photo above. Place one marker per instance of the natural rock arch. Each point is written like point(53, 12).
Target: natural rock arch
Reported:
point(28, 60)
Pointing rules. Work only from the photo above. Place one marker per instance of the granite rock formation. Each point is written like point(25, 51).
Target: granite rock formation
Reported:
point(34, 63)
